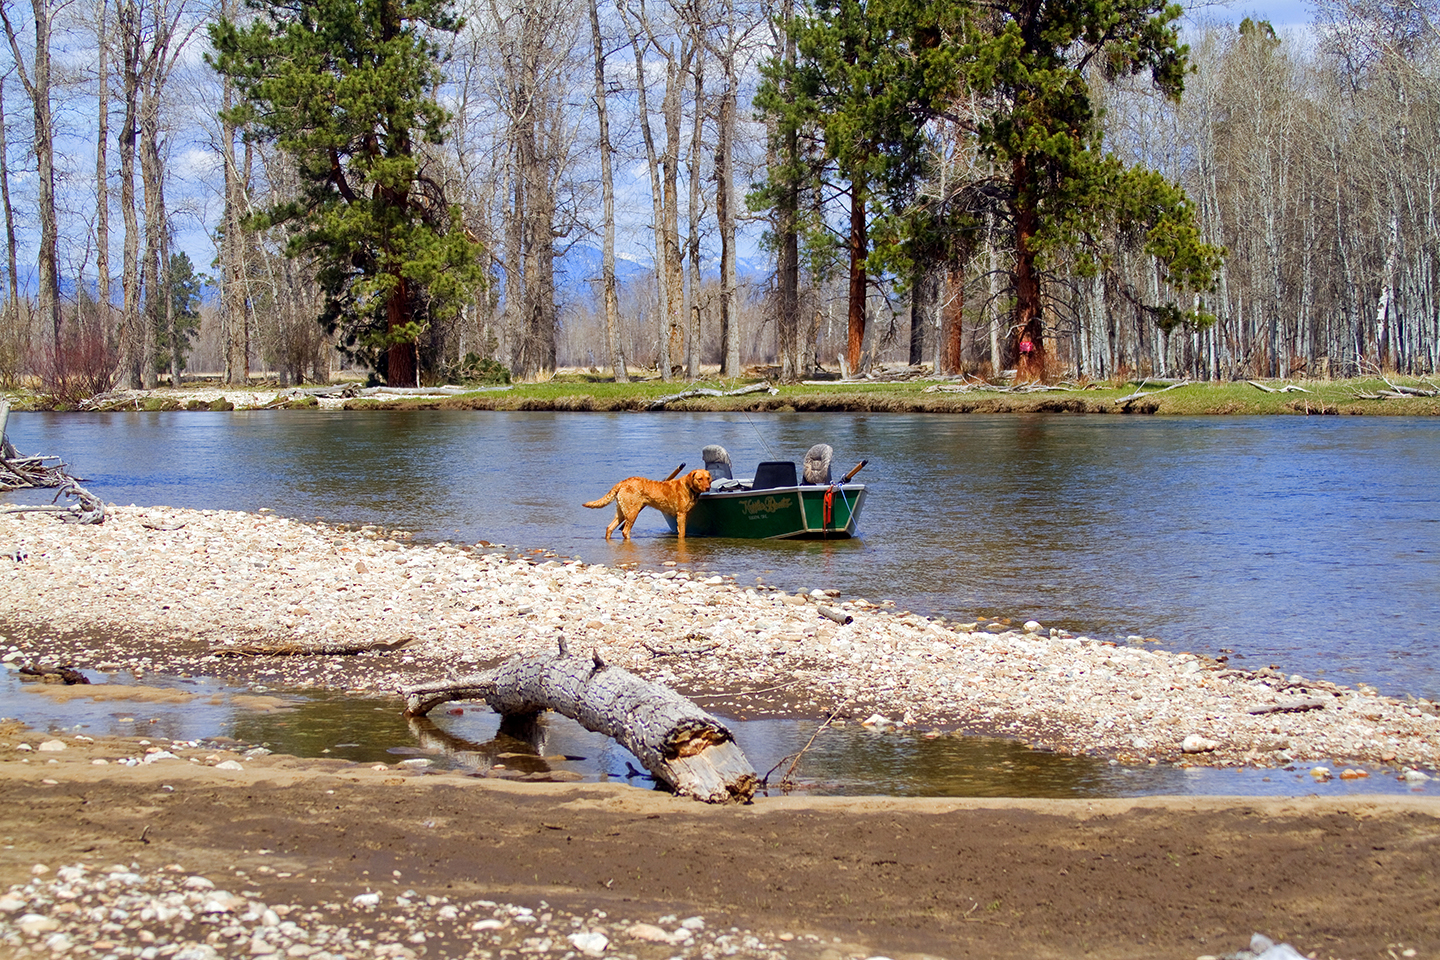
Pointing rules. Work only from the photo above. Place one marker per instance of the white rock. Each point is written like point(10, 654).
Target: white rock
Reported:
point(160, 755)
point(229, 765)
point(1320, 773)
point(592, 944)
point(416, 763)
point(33, 924)
point(1195, 743)
point(51, 746)
point(877, 720)
point(1032, 626)
point(366, 899)
point(199, 883)
point(649, 932)
point(1414, 776)
point(9, 903)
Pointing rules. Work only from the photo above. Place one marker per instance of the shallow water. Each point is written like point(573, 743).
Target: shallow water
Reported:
point(1307, 543)
point(845, 760)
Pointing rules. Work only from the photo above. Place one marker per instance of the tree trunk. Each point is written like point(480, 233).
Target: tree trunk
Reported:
point(1029, 329)
point(952, 354)
point(102, 169)
point(613, 344)
point(657, 200)
point(859, 287)
point(11, 245)
point(684, 747)
point(37, 86)
point(724, 201)
point(130, 324)
point(924, 297)
point(697, 146)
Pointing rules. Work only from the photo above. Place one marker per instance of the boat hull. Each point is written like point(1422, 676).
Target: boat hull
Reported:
point(777, 513)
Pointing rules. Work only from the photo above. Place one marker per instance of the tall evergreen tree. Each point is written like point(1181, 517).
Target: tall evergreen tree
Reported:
point(1029, 63)
point(347, 88)
point(849, 87)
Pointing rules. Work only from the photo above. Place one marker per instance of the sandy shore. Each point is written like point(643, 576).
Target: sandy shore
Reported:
point(127, 848)
point(157, 589)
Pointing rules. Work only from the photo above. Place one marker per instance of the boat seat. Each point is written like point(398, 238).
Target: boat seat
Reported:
point(773, 473)
point(717, 461)
point(817, 463)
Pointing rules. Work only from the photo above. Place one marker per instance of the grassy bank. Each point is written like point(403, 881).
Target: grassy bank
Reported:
point(584, 392)
point(1312, 398)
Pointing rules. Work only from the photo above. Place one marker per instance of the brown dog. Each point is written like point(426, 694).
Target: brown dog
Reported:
point(674, 498)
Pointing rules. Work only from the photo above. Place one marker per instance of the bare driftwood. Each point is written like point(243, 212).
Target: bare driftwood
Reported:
point(762, 387)
point(1140, 394)
point(1287, 388)
point(290, 648)
point(18, 472)
point(1288, 706)
point(839, 616)
point(680, 744)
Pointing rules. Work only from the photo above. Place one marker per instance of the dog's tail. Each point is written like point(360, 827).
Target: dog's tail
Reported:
point(608, 498)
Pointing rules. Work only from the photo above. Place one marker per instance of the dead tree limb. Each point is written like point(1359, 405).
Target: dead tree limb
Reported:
point(761, 387)
point(680, 744)
point(18, 473)
point(1138, 395)
point(291, 648)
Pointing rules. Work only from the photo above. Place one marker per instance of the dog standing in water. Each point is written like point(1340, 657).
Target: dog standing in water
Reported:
point(674, 498)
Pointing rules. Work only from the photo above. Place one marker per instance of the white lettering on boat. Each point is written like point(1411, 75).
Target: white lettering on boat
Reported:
point(768, 505)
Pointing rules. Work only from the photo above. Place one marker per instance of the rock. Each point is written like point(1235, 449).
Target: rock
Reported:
point(1414, 776)
point(649, 933)
point(160, 755)
point(1320, 773)
point(1195, 743)
point(592, 944)
point(51, 746)
point(229, 765)
point(366, 899)
point(1032, 626)
point(34, 924)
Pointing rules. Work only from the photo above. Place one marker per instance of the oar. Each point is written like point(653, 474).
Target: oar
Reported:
point(846, 478)
point(682, 467)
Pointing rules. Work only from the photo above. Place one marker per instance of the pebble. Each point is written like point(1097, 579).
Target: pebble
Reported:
point(166, 578)
point(166, 914)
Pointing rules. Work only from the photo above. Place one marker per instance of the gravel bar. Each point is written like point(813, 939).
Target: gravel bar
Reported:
point(180, 591)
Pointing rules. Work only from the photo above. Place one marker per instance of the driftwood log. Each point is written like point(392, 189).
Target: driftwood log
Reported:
point(680, 744)
point(659, 403)
point(19, 472)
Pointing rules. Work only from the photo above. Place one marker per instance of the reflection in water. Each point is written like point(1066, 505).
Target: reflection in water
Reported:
point(1305, 542)
point(843, 760)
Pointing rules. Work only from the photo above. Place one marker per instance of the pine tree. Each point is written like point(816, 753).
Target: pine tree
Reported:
point(346, 88)
point(1029, 64)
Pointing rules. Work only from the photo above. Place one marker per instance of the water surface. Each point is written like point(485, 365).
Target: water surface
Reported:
point(1308, 543)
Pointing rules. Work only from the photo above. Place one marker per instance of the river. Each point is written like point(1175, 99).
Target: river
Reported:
point(1307, 543)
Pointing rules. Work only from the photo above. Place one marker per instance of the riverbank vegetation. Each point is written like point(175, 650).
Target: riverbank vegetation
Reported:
point(592, 162)
point(584, 392)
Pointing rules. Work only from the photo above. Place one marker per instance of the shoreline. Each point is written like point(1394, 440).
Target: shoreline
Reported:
point(903, 391)
point(176, 591)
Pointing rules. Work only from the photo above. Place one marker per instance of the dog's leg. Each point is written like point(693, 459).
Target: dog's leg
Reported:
point(619, 517)
point(680, 524)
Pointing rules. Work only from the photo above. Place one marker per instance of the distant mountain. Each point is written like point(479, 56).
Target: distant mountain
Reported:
point(582, 264)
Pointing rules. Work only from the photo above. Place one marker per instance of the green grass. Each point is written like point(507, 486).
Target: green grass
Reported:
point(1319, 397)
point(591, 392)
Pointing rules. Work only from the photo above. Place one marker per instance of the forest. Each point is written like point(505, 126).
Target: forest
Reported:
point(427, 192)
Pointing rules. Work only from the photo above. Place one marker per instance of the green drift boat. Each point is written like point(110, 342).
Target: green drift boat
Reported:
point(774, 505)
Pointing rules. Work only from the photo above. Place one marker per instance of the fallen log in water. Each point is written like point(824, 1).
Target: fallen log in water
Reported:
point(680, 744)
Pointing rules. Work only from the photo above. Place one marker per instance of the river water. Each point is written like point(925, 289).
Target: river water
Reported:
point(1309, 543)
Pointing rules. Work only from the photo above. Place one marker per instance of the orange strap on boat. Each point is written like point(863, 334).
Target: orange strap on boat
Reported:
point(829, 504)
